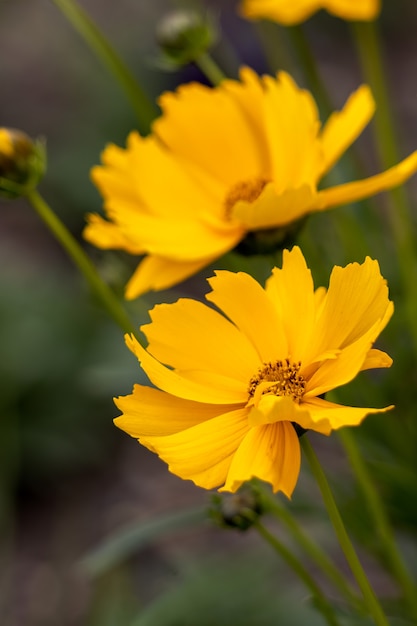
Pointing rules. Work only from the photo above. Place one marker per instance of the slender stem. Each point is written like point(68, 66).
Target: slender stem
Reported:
point(301, 572)
point(380, 520)
point(144, 108)
point(307, 60)
point(345, 543)
point(210, 69)
point(368, 45)
point(269, 503)
point(81, 260)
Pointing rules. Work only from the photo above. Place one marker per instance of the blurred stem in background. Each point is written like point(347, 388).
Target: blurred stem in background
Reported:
point(368, 45)
point(270, 504)
point(380, 520)
point(143, 106)
point(370, 598)
point(103, 292)
point(293, 562)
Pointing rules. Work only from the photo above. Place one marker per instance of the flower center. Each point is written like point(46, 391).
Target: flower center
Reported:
point(248, 190)
point(280, 378)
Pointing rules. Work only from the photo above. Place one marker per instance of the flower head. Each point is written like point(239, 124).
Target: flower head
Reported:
point(22, 162)
point(245, 156)
point(230, 386)
point(290, 12)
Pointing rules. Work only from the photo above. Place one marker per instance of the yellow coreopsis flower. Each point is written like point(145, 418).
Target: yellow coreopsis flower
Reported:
point(289, 12)
point(230, 388)
point(221, 162)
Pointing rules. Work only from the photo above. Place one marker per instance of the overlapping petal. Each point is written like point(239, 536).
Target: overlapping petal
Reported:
point(247, 155)
point(202, 453)
point(231, 384)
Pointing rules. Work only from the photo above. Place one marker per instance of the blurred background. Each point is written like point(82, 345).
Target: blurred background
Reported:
point(69, 480)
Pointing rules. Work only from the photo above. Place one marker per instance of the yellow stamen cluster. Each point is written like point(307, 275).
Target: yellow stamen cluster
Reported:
point(283, 377)
point(248, 190)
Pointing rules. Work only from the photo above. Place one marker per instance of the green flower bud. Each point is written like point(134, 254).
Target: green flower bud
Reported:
point(22, 162)
point(237, 510)
point(183, 36)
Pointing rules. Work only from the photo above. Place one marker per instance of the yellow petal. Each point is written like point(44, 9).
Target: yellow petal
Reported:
point(209, 128)
point(272, 209)
point(191, 335)
point(109, 236)
point(272, 409)
point(343, 127)
point(247, 305)
point(351, 192)
point(353, 9)
point(356, 300)
point(270, 453)
point(292, 126)
point(156, 273)
point(375, 359)
point(203, 452)
point(291, 290)
point(286, 12)
point(327, 416)
point(204, 387)
point(149, 412)
point(342, 369)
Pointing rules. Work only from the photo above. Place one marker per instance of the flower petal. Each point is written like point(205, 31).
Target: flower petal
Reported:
point(327, 416)
point(272, 409)
point(292, 126)
point(358, 190)
point(356, 300)
point(148, 412)
point(109, 236)
point(375, 359)
point(203, 452)
point(206, 387)
point(343, 127)
point(156, 273)
point(208, 127)
point(338, 371)
point(286, 12)
point(291, 290)
point(247, 305)
point(177, 329)
point(273, 209)
point(270, 453)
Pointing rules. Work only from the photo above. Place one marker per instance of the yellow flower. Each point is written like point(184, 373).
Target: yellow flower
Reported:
point(245, 156)
point(290, 12)
point(6, 143)
point(229, 388)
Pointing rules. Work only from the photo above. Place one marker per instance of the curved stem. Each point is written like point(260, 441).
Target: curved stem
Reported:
point(81, 260)
point(269, 503)
point(210, 69)
point(371, 600)
point(145, 110)
point(301, 572)
point(380, 520)
point(368, 45)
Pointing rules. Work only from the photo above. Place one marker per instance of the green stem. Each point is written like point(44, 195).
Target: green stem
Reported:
point(371, 600)
point(380, 520)
point(81, 260)
point(269, 503)
point(145, 110)
point(210, 69)
point(307, 61)
point(301, 572)
point(369, 51)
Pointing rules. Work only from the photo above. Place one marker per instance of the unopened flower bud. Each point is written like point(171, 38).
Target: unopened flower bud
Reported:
point(22, 162)
point(237, 510)
point(184, 35)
